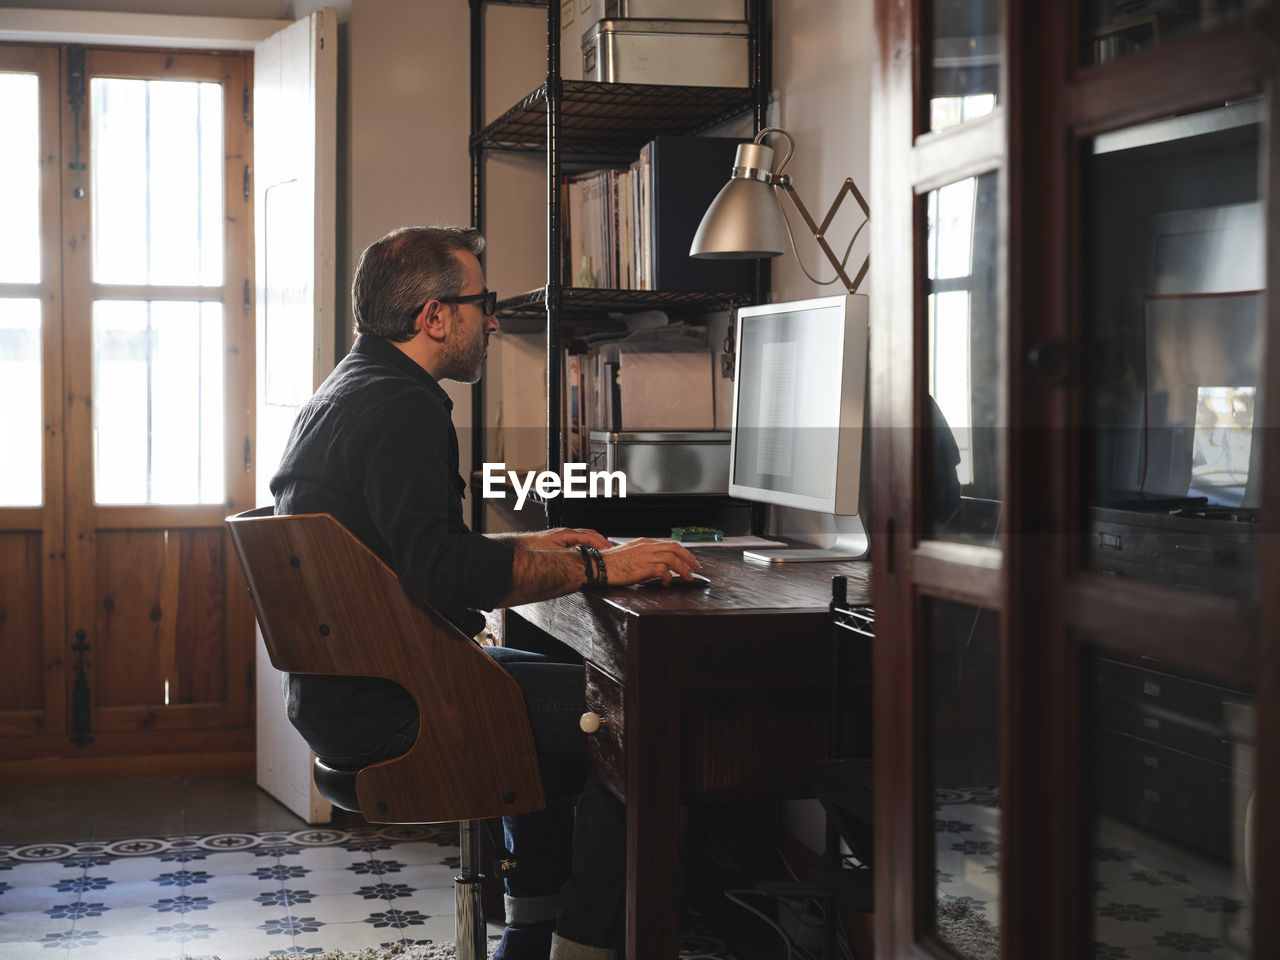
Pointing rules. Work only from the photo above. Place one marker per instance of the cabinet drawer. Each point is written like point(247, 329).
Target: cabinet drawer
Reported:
point(1185, 797)
point(604, 696)
point(1194, 702)
point(1164, 728)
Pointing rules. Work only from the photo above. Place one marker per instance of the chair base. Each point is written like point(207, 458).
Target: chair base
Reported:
point(469, 931)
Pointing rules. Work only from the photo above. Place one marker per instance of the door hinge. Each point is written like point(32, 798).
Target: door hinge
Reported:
point(248, 679)
point(248, 455)
point(248, 117)
point(81, 701)
point(246, 181)
point(246, 297)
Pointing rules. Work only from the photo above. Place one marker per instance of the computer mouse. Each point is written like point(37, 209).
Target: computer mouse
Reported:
point(699, 580)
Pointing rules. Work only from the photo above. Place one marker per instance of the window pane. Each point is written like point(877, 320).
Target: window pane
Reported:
point(962, 644)
point(1175, 330)
point(19, 179)
point(21, 450)
point(1117, 28)
point(157, 165)
point(159, 429)
point(961, 456)
point(1170, 776)
point(965, 80)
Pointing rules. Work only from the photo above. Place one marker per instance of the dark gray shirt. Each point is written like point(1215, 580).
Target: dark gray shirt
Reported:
point(376, 448)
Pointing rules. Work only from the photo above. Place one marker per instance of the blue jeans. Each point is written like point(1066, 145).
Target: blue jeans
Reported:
point(576, 847)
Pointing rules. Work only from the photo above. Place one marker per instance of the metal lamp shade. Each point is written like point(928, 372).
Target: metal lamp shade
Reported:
point(743, 222)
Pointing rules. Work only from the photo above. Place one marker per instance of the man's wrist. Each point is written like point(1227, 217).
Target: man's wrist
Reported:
point(594, 567)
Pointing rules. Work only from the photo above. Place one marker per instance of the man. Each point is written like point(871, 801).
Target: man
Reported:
point(376, 448)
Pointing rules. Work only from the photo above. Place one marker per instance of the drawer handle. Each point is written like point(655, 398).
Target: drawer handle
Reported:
point(1150, 688)
point(1150, 761)
point(1151, 796)
point(591, 722)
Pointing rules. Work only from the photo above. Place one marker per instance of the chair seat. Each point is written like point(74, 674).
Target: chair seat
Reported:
point(336, 786)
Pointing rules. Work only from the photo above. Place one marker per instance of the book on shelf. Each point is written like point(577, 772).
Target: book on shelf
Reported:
point(631, 228)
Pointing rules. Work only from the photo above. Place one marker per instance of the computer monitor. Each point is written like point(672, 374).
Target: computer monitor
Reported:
point(799, 401)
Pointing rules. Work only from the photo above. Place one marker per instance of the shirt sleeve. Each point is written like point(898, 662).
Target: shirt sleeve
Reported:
point(408, 483)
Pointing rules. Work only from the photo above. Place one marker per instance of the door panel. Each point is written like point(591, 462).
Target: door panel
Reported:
point(962, 702)
point(1175, 243)
point(295, 91)
point(1169, 759)
point(961, 443)
point(21, 617)
point(964, 42)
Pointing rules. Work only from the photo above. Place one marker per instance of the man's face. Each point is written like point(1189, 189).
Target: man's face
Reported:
point(467, 329)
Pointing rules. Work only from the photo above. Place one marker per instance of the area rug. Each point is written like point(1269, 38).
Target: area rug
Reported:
point(433, 951)
point(967, 932)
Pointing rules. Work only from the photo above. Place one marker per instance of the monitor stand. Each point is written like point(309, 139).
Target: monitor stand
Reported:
point(848, 546)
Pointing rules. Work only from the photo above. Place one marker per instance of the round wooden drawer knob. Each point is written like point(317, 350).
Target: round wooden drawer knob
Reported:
point(591, 722)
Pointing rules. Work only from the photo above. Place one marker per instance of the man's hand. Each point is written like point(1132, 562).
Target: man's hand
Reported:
point(561, 537)
point(645, 559)
point(554, 568)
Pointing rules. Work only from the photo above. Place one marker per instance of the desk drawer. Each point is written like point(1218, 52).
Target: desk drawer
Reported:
point(604, 697)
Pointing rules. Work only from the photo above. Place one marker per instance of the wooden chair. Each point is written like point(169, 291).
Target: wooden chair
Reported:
point(328, 605)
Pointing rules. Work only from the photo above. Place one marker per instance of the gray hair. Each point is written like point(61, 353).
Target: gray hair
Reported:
point(408, 267)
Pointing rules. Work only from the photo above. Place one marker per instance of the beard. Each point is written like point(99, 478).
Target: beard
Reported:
point(461, 360)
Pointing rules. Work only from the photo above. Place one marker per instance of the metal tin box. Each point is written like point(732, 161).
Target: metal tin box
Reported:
point(676, 9)
point(693, 53)
point(664, 461)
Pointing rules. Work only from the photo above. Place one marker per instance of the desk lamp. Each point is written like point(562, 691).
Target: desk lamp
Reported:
point(746, 219)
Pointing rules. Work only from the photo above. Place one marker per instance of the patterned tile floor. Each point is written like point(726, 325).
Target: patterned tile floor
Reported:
point(234, 895)
point(1152, 900)
point(116, 891)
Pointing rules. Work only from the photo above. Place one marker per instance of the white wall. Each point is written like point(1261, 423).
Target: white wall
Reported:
point(405, 159)
point(822, 95)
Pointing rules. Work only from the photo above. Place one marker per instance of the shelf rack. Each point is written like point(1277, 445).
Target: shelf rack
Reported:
point(603, 119)
point(581, 121)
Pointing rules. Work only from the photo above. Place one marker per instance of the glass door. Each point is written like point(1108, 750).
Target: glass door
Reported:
point(939, 409)
point(1146, 608)
point(159, 364)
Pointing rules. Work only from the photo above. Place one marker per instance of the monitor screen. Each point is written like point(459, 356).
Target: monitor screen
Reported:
point(798, 400)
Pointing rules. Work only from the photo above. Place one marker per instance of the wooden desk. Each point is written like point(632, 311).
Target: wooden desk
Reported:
point(711, 691)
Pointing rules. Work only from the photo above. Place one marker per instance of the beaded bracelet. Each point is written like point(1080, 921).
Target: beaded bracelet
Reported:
point(593, 565)
point(602, 575)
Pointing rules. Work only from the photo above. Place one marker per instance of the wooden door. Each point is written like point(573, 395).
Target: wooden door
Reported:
point(148, 227)
point(1149, 339)
point(1089, 630)
point(33, 691)
point(944, 555)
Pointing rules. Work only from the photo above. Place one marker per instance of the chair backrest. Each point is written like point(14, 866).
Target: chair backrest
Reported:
point(328, 605)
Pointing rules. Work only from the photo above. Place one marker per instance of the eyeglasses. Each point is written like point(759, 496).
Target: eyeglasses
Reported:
point(488, 301)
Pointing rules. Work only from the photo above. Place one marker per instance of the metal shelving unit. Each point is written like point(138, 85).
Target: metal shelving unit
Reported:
point(581, 121)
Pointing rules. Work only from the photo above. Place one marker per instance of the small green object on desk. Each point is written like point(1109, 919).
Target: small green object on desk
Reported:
point(697, 535)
